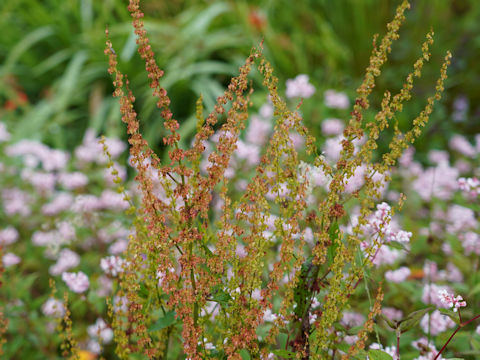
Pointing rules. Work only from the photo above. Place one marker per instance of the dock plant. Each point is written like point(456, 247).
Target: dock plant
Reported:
point(199, 269)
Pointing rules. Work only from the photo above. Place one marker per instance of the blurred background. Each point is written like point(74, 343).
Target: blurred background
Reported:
point(55, 90)
point(54, 82)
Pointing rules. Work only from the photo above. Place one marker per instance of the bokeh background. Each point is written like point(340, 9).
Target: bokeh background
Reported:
point(54, 82)
point(55, 90)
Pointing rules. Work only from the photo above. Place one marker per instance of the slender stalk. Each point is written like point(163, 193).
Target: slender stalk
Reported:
point(167, 341)
point(398, 344)
point(192, 279)
point(453, 334)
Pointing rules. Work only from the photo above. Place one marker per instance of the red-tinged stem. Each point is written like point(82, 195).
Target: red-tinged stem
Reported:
point(451, 336)
point(398, 345)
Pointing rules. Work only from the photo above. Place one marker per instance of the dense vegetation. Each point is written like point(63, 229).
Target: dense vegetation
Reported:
point(268, 226)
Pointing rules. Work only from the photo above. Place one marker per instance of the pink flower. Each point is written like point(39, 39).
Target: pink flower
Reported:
point(100, 331)
point(8, 235)
point(439, 182)
point(461, 144)
point(54, 308)
point(438, 156)
point(297, 140)
point(471, 243)
point(258, 131)
point(332, 148)
point(248, 152)
point(110, 178)
point(399, 275)
point(71, 181)
point(118, 247)
point(392, 313)
point(77, 282)
point(42, 182)
point(113, 200)
point(4, 134)
point(428, 350)
point(336, 100)
point(471, 186)
point(332, 127)
point(10, 259)
point(430, 294)
point(436, 323)
point(61, 202)
point(450, 301)
point(112, 265)
point(120, 304)
point(299, 87)
point(266, 110)
point(16, 201)
point(269, 316)
point(351, 319)
point(460, 218)
point(92, 151)
point(67, 259)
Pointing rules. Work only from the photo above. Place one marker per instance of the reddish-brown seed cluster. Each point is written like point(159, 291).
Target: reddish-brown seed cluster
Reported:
point(179, 257)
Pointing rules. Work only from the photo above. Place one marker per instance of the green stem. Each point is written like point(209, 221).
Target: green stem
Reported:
point(167, 341)
point(192, 278)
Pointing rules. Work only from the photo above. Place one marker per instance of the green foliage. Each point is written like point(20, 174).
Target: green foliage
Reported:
point(200, 44)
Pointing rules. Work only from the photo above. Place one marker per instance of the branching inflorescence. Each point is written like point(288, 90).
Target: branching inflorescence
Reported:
point(180, 261)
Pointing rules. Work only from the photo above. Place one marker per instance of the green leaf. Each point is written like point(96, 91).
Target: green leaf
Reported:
point(333, 231)
point(163, 322)
point(245, 354)
point(389, 322)
point(143, 291)
point(475, 344)
point(475, 290)
point(397, 245)
point(354, 330)
point(361, 355)
point(221, 296)
point(23, 45)
point(451, 314)
point(376, 354)
point(332, 249)
point(412, 319)
point(284, 353)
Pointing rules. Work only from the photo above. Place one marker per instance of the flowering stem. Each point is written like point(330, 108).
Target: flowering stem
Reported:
point(461, 325)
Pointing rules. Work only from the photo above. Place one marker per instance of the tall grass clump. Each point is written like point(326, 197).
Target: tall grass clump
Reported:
point(214, 275)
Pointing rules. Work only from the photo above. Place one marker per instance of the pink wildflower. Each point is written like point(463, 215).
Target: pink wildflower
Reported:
point(112, 265)
point(101, 331)
point(399, 275)
point(54, 308)
point(332, 127)
point(67, 259)
point(451, 301)
point(299, 87)
point(8, 235)
point(77, 282)
point(336, 100)
point(436, 323)
point(10, 259)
